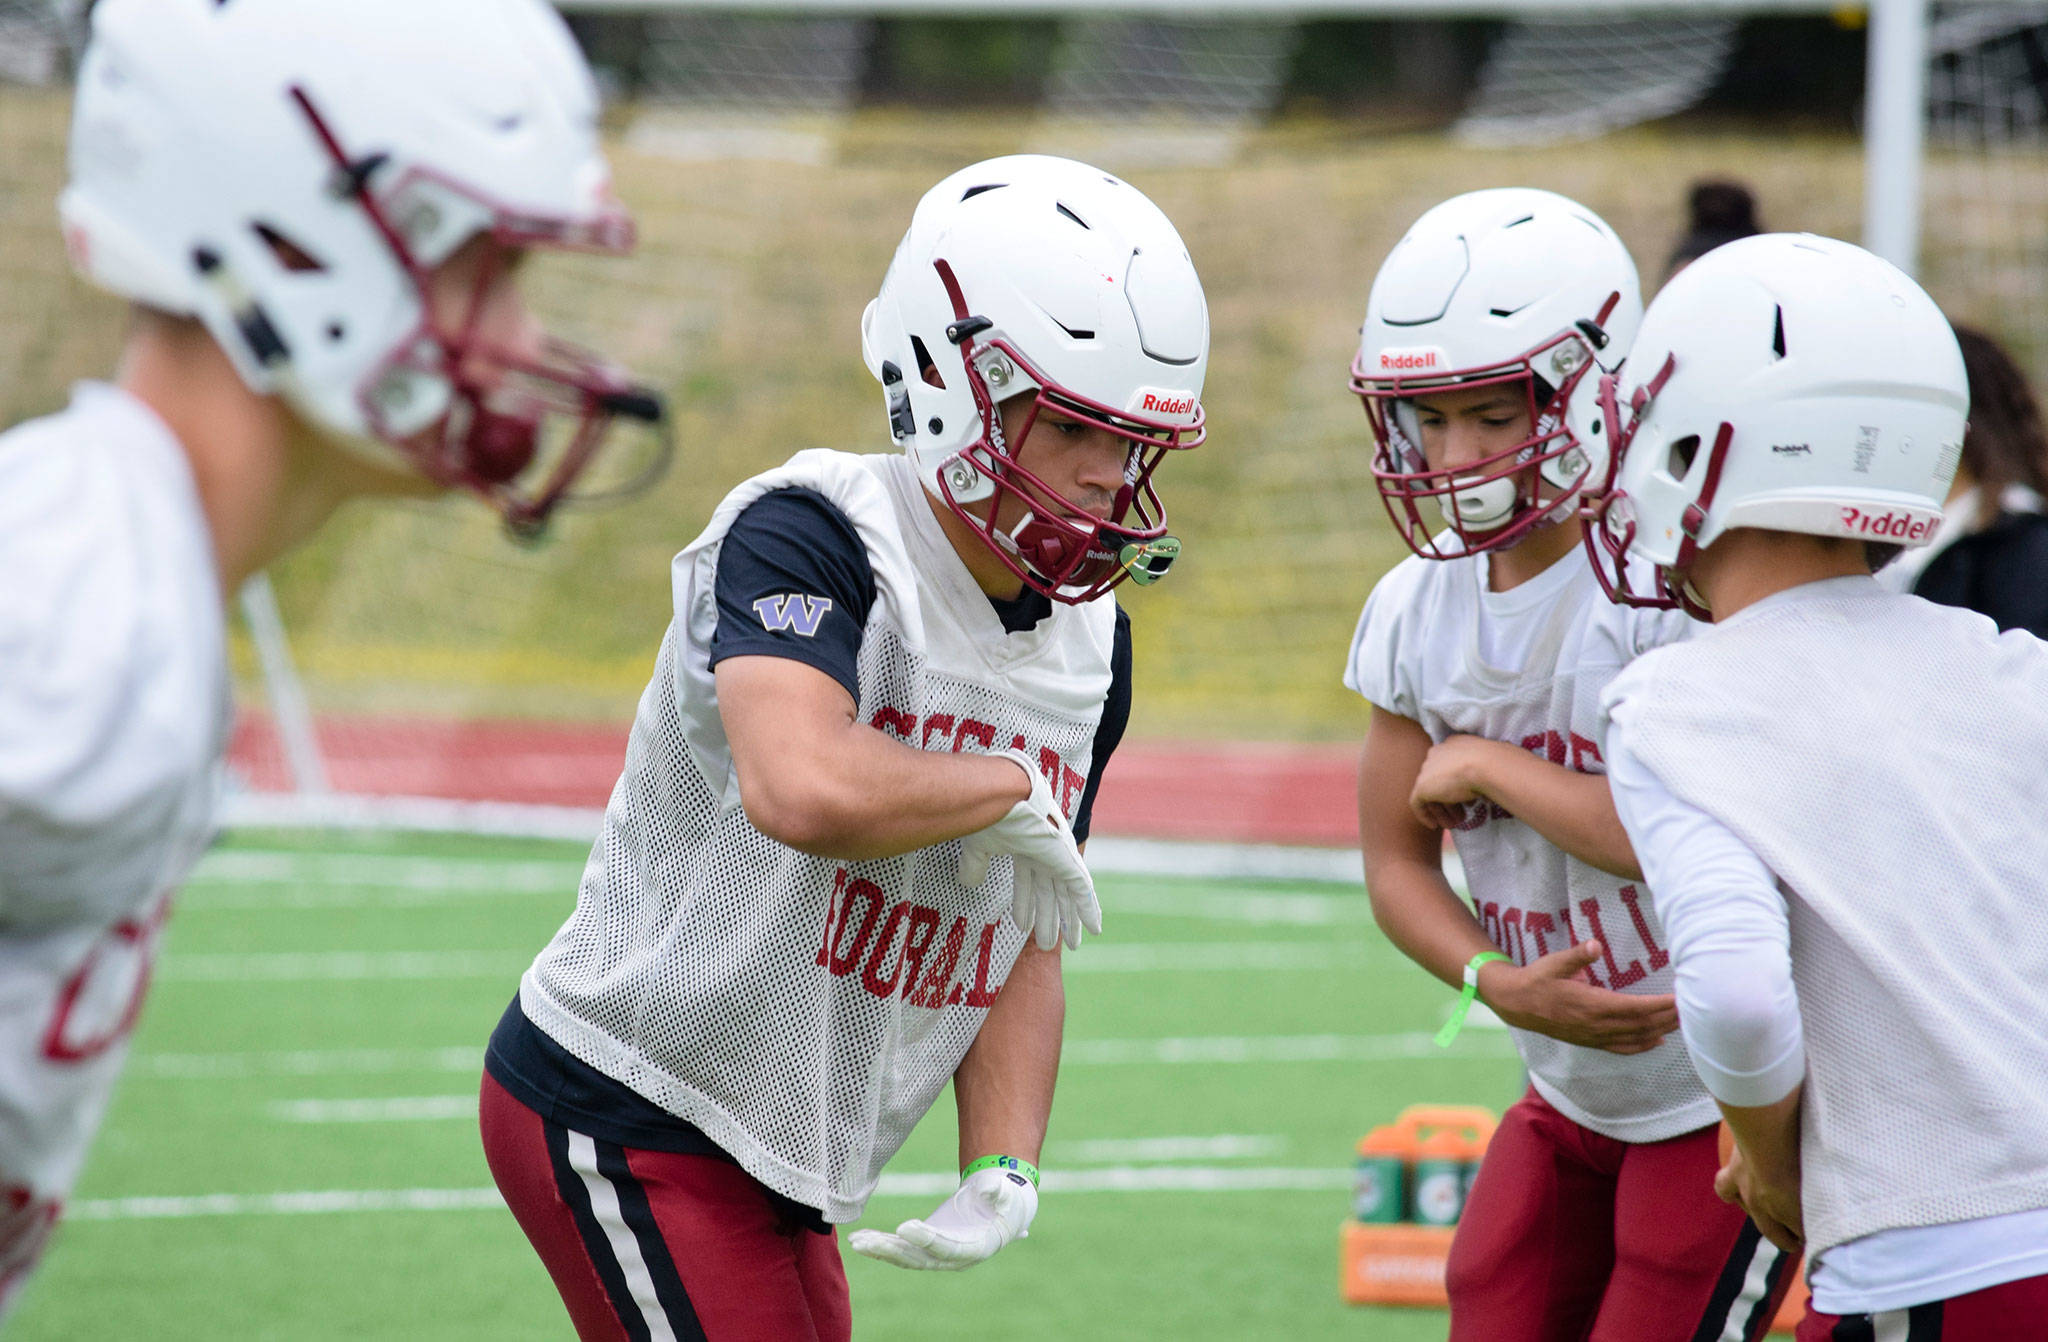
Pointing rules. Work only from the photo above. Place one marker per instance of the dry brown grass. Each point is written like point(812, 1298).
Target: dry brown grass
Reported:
point(744, 302)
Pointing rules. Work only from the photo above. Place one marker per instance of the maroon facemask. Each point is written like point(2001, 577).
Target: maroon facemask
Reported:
point(1059, 548)
point(507, 411)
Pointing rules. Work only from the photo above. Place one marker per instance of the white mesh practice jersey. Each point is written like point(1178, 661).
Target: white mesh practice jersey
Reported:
point(114, 714)
point(1527, 666)
point(805, 1012)
point(1885, 757)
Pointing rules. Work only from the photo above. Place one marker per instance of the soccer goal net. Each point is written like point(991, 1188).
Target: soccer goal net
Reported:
point(414, 652)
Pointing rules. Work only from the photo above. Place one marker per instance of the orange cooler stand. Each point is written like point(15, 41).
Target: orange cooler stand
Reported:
point(1404, 1264)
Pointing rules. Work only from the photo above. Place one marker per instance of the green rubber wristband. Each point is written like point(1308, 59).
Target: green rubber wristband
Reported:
point(1010, 1163)
point(1465, 998)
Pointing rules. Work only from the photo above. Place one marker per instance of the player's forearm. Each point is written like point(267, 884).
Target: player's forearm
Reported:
point(1769, 1136)
point(1419, 912)
point(858, 794)
point(1730, 938)
point(1573, 810)
point(1003, 1087)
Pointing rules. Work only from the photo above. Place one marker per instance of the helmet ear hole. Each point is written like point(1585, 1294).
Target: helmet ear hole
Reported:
point(1681, 454)
point(926, 369)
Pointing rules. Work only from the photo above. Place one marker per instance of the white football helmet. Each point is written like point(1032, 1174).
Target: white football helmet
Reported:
point(1786, 382)
point(1043, 276)
point(289, 172)
point(1509, 285)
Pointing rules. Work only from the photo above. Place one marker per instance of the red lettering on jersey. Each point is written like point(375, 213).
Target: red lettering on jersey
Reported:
point(1587, 973)
point(1585, 753)
point(1049, 764)
point(1547, 744)
point(832, 912)
point(896, 723)
point(942, 723)
point(1511, 936)
point(1659, 957)
point(1489, 922)
point(981, 995)
point(1617, 978)
point(1017, 742)
point(1472, 817)
point(1072, 785)
point(924, 923)
point(871, 977)
point(845, 957)
point(1538, 924)
point(970, 730)
point(118, 966)
point(931, 988)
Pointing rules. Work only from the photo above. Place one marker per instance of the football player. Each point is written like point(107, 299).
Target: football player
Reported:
point(315, 208)
point(857, 784)
point(1833, 788)
point(1484, 656)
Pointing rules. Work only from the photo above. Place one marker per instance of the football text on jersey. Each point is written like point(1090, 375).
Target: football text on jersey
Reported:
point(926, 969)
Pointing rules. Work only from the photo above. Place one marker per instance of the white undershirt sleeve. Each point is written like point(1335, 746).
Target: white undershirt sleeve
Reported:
point(1730, 942)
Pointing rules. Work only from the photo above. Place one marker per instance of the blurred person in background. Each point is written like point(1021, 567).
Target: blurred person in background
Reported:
point(1990, 553)
point(317, 209)
point(1719, 210)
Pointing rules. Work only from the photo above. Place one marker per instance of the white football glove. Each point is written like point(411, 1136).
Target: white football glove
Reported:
point(1055, 896)
point(991, 1208)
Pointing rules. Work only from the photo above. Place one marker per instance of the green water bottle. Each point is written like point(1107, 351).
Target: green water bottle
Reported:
point(1379, 1189)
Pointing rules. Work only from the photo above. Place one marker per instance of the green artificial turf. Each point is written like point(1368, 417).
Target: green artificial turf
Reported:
point(300, 970)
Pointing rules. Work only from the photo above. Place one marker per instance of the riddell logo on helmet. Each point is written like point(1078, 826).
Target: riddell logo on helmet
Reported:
point(1165, 403)
point(1890, 524)
point(1415, 359)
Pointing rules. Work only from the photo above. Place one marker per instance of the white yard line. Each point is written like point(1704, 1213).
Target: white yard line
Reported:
point(1283, 910)
point(1112, 958)
point(1106, 855)
point(1115, 1179)
point(483, 875)
point(311, 966)
point(1208, 1049)
point(1196, 1049)
point(1113, 1150)
point(391, 1109)
point(306, 1062)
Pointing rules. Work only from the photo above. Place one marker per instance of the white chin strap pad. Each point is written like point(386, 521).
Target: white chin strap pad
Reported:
point(1486, 503)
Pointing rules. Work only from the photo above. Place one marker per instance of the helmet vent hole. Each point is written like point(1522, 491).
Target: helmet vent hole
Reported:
point(926, 369)
point(1071, 215)
point(1682, 453)
point(1778, 335)
point(971, 192)
point(289, 254)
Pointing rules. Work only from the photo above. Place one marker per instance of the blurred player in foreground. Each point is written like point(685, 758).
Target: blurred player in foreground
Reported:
point(1835, 789)
point(1484, 657)
point(316, 212)
point(857, 781)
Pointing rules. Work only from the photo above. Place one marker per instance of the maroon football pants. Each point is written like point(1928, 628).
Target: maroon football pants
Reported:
point(1571, 1236)
point(647, 1246)
point(2009, 1312)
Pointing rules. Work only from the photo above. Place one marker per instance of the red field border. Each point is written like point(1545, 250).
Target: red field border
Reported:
point(1208, 791)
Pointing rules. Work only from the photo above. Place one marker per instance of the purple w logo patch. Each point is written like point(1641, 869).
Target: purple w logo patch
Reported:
point(794, 612)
